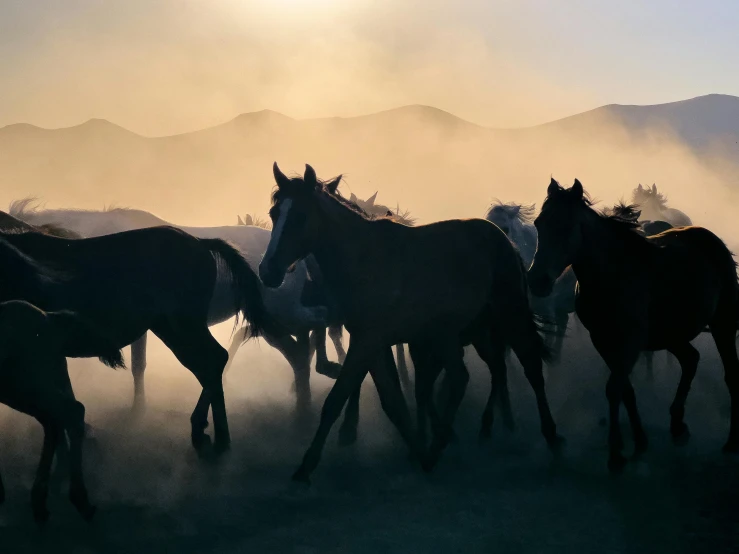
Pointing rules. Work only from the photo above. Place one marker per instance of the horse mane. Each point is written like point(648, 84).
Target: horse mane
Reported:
point(23, 207)
point(624, 212)
point(526, 212)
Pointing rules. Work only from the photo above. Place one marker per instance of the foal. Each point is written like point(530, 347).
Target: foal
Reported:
point(34, 380)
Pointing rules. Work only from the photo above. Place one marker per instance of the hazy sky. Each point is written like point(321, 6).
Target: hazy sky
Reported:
point(168, 66)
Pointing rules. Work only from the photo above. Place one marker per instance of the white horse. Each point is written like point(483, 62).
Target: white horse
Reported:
point(283, 303)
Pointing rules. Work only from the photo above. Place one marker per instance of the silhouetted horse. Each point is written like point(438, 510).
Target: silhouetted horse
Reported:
point(160, 279)
point(653, 206)
point(34, 380)
point(283, 304)
point(637, 293)
point(433, 287)
point(515, 220)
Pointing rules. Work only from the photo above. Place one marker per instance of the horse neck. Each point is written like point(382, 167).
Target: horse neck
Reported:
point(602, 255)
point(342, 245)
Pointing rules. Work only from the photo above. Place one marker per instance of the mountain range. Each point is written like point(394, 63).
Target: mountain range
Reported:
point(100, 162)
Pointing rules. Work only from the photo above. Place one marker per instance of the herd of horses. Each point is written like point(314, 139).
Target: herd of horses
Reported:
point(88, 283)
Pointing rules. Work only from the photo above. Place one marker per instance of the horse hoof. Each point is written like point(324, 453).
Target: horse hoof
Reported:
point(681, 435)
point(301, 476)
point(731, 447)
point(485, 435)
point(640, 446)
point(202, 444)
point(221, 447)
point(329, 369)
point(40, 515)
point(616, 463)
point(555, 442)
point(347, 437)
point(80, 501)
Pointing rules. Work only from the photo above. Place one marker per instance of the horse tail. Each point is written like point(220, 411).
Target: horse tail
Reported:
point(246, 286)
point(78, 336)
point(538, 326)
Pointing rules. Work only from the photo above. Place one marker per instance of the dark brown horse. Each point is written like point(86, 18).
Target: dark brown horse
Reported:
point(640, 293)
point(34, 380)
point(433, 287)
point(160, 279)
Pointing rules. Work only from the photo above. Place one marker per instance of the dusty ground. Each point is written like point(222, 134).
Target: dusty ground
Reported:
point(510, 495)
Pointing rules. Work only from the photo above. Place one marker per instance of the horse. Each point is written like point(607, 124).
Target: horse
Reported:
point(159, 279)
point(283, 304)
point(640, 293)
point(515, 220)
point(34, 380)
point(433, 287)
point(653, 205)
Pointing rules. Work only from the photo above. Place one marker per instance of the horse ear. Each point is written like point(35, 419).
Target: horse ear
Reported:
point(280, 177)
point(310, 176)
point(553, 187)
point(640, 188)
point(515, 210)
point(577, 189)
point(654, 188)
point(371, 200)
point(333, 185)
point(248, 220)
point(353, 198)
point(240, 222)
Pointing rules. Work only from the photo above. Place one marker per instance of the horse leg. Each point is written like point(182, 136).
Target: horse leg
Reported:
point(336, 332)
point(688, 357)
point(561, 319)
point(392, 400)
point(238, 339)
point(724, 335)
point(40, 490)
point(493, 354)
point(138, 366)
point(405, 379)
point(637, 429)
point(427, 371)
point(505, 397)
point(361, 354)
point(452, 359)
point(323, 365)
point(196, 349)
point(299, 360)
point(620, 358)
point(527, 347)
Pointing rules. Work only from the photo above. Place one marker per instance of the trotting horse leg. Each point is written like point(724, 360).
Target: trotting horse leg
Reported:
point(493, 354)
point(196, 349)
point(361, 355)
point(452, 358)
point(688, 357)
point(637, 429)
point(336, 332)
point(40, 490)
point(427, 371)
point(238, 339)
point(299, 360)
point(526, 345)
point(724, 335)
point(403, 374)
point(323, 365)
point(138, 366)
